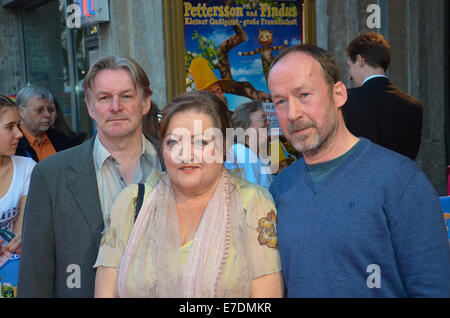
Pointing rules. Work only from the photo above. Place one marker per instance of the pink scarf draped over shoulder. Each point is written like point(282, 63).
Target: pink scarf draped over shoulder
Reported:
point(151, 264)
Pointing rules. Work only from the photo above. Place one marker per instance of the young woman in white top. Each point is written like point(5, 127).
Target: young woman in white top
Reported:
point(15, 172)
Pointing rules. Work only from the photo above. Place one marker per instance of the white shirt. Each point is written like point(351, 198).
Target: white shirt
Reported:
point(9, 203)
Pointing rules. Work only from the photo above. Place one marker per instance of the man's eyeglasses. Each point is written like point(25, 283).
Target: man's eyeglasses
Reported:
point(41, 110)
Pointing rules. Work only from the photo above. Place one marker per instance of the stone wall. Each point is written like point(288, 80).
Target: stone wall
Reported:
point(136, 30)
point(431, 66)
point(416, 32)
point(10, 53)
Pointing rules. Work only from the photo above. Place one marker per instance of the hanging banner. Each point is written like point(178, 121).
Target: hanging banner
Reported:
point(239, 39)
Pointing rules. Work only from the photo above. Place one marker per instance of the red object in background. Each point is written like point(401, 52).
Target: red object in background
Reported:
point(88, 8)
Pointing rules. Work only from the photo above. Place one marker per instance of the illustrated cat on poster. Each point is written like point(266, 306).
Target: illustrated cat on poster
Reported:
point(265, 38)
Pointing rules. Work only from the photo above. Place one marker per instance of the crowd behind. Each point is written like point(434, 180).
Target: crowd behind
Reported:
point(335, 207)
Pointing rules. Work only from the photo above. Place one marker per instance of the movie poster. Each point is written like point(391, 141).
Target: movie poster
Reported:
point(238, 39)
point(9, 273)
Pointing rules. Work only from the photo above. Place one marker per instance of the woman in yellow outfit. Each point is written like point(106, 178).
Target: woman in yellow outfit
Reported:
point(201, 232)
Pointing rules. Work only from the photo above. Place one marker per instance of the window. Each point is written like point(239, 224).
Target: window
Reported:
point(55, 58)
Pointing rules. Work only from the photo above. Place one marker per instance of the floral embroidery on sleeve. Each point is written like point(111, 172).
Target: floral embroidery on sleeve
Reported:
point(267, 230)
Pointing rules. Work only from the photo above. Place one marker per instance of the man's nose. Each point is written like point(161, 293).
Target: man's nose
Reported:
point(295, 109)
point(115, 104)
point(47, 113)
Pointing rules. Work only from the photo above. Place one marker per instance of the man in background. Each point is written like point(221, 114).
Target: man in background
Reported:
point(36, 108)
point(376, 109)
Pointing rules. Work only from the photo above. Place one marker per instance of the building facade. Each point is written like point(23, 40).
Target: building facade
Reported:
point(38, 47)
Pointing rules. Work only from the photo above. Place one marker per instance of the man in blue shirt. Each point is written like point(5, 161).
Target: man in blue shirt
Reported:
point(354, 219)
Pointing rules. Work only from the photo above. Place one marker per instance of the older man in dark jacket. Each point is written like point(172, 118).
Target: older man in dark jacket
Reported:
point(39, 141)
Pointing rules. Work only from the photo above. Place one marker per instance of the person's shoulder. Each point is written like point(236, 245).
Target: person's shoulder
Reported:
point(246, 186)
point(289, 174)
point(248, 189)
point(383, 153)
point(23, 161)
point(68, 156)
point(386, 160)
point(372, 87)
point(355, 91)
point(401, 96)
point(253, 195)
point(54, 134)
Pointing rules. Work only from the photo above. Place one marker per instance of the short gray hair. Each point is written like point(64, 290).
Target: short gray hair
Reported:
point(241, 115)
point(136, 72)
point(28, 92)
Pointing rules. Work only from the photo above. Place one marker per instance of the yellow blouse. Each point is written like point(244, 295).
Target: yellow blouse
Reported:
point(260, 220)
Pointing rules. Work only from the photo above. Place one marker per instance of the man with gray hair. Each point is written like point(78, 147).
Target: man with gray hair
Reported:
point(71, 193)
point(39, 141)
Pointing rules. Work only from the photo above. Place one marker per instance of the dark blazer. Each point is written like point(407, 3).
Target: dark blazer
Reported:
point(389, 117)
point(62, 226)
point(58, 140)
